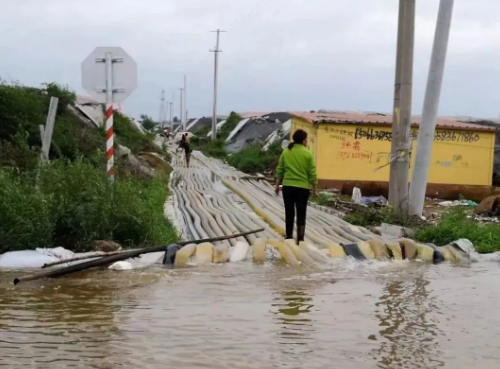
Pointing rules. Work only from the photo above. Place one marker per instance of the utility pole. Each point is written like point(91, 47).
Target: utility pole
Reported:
point(162, 108)
point(165, 119)
point(170, 118)
point(216, 72)
point(431, 106)
point(401, 125)
point(181, 109)
point(185, 100)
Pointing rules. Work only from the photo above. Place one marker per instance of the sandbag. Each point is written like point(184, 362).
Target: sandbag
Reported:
point(366, 250)
point(285, 252)
point(121, 265)
point(438, 257)
point(204, 253)
point(336, 251)
point(169, 258)
point(352, 249)
point(448, 254)
point(379, 249)
point(183, 255)
point(221, 254)
point(425, 253)
point(314, 253)
point(25, 259)
point(300, 254)
point(240, 251)
point(259, 250)
point(460, 256)
point(395, 249)
point(408, 248)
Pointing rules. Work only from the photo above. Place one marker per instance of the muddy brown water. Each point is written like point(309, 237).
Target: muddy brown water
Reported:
point(352, 315)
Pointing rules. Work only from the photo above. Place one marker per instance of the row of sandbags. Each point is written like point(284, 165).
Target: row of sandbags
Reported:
point(291, 253)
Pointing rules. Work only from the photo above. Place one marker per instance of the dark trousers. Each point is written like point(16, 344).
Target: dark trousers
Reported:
point(295, 199)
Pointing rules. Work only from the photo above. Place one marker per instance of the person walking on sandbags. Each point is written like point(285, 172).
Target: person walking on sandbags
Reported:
point(296, 171)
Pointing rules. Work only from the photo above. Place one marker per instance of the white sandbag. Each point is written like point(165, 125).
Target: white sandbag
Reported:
point(59, 252)
point(121, 265)
point(239, 252)
point(25, 259)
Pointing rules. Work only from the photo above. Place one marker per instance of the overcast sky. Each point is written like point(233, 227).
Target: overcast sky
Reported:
point(277, 54)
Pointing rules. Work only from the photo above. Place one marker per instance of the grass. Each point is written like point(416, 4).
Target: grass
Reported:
point(323, 199)
point(75, 204)
point(369, 217)
point(454, 225)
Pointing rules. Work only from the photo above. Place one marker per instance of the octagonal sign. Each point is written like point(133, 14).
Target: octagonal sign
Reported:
point(124, 71)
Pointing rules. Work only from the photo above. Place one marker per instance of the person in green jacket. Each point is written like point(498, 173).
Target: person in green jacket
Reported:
point(297, 172)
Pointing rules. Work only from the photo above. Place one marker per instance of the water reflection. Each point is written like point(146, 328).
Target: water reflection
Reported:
point(56, 322)
point(409, 334)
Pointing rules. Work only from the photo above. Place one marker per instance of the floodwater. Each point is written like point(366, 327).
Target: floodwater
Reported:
point(353, 315)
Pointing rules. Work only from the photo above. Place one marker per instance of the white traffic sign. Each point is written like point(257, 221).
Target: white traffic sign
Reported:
point(122, 69)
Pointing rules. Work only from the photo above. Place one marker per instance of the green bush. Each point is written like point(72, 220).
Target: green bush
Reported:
point(253, 160)
point(229, 126)
point(455, 225)
point(75, 204)
point(24, 109)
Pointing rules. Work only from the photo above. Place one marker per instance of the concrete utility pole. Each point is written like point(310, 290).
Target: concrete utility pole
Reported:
point(431, 107)
point(181, 109)
point(165, 119)
point(170, 118)
point(216, 75)
point(162, 109)
point(184, 109)
point(401, 125)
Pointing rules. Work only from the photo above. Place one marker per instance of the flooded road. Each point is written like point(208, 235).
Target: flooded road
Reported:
point(354, 315)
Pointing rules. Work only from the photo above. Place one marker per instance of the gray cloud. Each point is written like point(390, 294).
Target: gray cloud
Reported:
point(277, 54)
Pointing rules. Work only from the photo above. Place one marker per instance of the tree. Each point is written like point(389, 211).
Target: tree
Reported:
point(176, 120)
point(147, 122)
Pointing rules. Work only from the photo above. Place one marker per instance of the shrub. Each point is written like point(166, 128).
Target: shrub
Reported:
point(75, 204)
point(455, 225)
point(253, 160)
point(229, 126)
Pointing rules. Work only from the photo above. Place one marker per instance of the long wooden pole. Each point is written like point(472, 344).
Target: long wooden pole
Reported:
point(118, 257)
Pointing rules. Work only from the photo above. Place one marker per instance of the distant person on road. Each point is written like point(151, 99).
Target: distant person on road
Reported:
point(187, 149)
point(181, 143)
point(297, 172)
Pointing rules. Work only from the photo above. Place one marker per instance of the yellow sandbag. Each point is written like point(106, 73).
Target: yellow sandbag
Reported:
point(204, 253)
point(394, 247)
point(448, 254)
point(259, 250)
point(425, 253)
point(314, 253)
point(366, 249)
point(182, 256)
point(300, 254)
point(410, 248)
point(336, 251)
point(221, 254)
point(284, 251)
point(460, 256)
point(379, 249)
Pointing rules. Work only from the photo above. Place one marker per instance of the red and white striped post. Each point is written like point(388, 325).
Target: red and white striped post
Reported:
point(110, 151)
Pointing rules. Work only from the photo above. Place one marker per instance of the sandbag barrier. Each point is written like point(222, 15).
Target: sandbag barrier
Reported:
point(209, 213)
point(287, 252)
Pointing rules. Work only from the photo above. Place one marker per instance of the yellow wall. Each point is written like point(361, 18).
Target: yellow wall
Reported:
point(361, 153)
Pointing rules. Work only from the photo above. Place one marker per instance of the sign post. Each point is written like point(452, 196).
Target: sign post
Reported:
point(109, 75)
